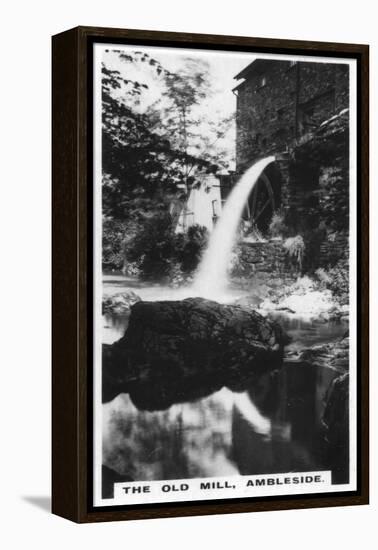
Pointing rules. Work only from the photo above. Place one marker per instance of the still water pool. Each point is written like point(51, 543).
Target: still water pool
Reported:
point(276, 426)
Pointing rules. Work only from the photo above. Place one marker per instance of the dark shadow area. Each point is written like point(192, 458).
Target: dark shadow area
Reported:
point(308, 407)
point(109, 478)
point(41, 502)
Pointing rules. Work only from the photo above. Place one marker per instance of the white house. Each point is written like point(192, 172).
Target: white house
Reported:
point(203, 206)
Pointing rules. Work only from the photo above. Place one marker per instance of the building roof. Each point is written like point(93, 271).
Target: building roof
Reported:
point(256, 66)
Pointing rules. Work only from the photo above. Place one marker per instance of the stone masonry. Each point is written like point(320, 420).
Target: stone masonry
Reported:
point(298, 111)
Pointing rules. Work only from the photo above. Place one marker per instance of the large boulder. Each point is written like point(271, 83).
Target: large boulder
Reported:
point(173, 349)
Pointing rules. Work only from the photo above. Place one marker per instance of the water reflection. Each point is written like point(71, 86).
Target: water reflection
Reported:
point(273, 427)
point(198, 428)
point(113, 327)
point(297, 439)
point(187, 440)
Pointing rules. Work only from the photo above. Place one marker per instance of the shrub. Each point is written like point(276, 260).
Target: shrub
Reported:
point(113, 235)
point(192, 247)
point(161, 254)
point(295, 248)
point(277, 226)
point(323, 276)
point(153, 247)
point(336, 279)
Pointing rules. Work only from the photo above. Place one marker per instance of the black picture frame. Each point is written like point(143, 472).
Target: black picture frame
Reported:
point(72, 202)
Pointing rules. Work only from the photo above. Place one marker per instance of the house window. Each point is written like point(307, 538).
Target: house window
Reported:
point(261, 83)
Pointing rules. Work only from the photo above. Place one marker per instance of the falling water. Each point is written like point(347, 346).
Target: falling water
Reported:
point(212, 275)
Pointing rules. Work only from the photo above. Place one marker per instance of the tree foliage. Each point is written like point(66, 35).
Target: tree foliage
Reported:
point(151, 159)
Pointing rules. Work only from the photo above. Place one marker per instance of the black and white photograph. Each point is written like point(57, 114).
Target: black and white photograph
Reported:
point(225, 282)
point(188, 238)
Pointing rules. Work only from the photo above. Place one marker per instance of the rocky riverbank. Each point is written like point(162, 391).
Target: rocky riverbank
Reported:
point(303, 297)
point(334, 355)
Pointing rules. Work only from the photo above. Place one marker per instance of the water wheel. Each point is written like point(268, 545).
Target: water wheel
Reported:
point(261, 204)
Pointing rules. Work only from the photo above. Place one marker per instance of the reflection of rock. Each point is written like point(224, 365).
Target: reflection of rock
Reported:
point(171, 345)
point(265, 392)
point(169, 391)
point(336, 421)
point(119, 303)
point(304, 402)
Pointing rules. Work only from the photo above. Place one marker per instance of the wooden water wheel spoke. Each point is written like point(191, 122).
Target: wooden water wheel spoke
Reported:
point(262, 195)
point(254, 199)
point(262, 210)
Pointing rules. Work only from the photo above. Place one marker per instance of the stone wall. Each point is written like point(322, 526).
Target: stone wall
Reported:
point(271, 259)
point(298, 112)
point(333, 249)
point(318, 79)
point(264, 258)
point(265, 117)
point(280, 101)
point(334, 195)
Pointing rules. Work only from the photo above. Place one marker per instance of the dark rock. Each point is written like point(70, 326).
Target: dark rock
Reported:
point(171, 349)
point(168, 391)
point(334, 355)
point(336, 422)
point(119, 303)
point(109, 477)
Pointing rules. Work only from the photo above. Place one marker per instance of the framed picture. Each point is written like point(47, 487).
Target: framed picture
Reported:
point(210, 274)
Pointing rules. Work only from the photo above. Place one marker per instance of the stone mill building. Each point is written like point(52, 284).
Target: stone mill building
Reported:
point(299, 112)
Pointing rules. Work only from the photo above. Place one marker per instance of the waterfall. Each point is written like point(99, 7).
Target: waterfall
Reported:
point(212, 275)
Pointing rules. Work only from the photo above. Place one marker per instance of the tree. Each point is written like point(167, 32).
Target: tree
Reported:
point(179, 119)
point(152, 158)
